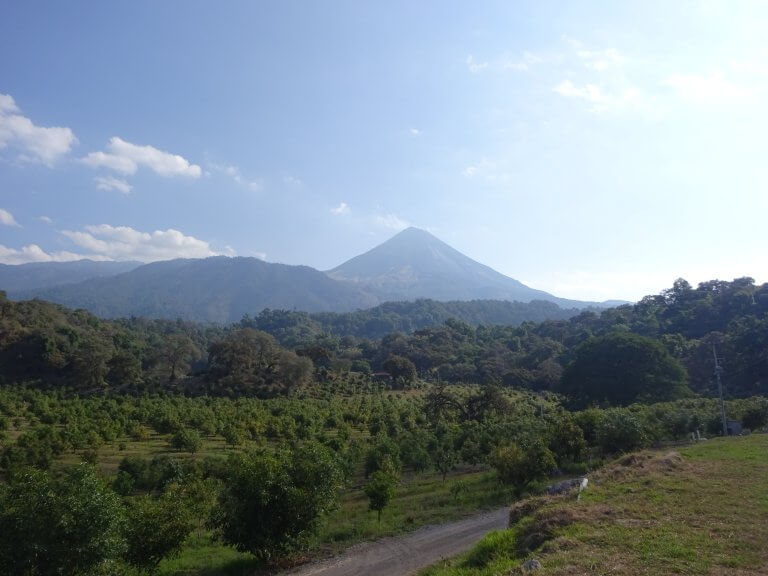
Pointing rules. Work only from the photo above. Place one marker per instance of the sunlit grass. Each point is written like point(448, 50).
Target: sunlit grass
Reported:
point(704, 514)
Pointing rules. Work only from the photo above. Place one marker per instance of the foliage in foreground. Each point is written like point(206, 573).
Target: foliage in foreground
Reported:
point(271, 503)
point(68, 525)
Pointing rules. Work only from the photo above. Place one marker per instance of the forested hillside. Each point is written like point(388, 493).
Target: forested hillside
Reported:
point(677, 329)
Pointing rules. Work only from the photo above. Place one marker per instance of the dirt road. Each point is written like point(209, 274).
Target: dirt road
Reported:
point(403, 555)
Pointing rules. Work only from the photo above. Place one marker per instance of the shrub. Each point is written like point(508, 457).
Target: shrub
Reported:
point(519, 466)
point(68, 525)
point(271, 503)
point(186, 440)
point(620, 431)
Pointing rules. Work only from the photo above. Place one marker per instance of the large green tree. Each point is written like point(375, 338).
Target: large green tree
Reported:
point(271, 503)
point(621, 368)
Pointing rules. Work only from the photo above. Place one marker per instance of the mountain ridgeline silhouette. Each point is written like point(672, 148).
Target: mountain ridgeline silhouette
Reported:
point(415, 264)
point(412, 265)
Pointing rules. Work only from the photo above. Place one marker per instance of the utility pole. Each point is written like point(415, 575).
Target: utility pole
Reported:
point(718, 371)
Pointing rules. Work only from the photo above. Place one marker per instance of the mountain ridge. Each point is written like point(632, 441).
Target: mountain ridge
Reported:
point(411, 265)
point(416, 264)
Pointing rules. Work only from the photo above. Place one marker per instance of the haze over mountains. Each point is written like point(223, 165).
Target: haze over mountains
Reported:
point(413, 264)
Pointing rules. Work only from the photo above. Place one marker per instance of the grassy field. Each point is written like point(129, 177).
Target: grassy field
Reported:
point(700, 510)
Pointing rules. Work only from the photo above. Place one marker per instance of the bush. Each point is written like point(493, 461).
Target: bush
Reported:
point(755, 417)
point(156, 529)
point(186, 440)
point(65, 526)
point(620, 431)
point(271, 504)
point(519, 466)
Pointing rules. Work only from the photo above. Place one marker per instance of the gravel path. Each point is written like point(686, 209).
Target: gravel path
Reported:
point(403, 555)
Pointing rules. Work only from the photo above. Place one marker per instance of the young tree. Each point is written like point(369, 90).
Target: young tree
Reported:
point(157, 528)
point(519, 466)
point(186, 440)
point(380, 489)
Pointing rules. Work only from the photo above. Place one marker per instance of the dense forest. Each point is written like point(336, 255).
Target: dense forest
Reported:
point(278, 351)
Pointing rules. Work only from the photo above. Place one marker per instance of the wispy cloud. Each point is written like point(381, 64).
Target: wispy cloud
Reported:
point(7, 219)
point(236, 175)
point(342, 208)
point(391, 222)
point(34, 143)
point(599, 60)
point(485, 169)
point(415, 132)
point(126, 158)
point(45, 219)
point(474, 66)
point(588, 92)
point(598, 78)
point(522, 64)
point(292, 181)
point(112, 183)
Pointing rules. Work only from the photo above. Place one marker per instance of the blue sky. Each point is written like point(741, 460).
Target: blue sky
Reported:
point(595, 150)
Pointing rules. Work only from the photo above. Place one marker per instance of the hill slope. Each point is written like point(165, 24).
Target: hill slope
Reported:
point(411, 265)
point(415, 264)
point(217, 289)
point(20, 278)
point(702, 511)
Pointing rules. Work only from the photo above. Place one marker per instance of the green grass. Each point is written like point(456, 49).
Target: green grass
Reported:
point(420, 500)
point(704, 513)
point(204, 557)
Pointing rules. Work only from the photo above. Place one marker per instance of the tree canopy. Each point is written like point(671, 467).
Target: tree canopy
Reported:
point(622, 368)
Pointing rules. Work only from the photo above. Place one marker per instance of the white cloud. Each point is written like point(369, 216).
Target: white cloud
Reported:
point(126, 158)
point(474, 66)
point(111, 161)
point(112, 183)
point(600, 98)
point(415, 132)
point(45, 219)
point(33, 253)
point(7, 104)
point(125, 243)
point(392, 222)
point(709, 89)
point(7, 218)
point(292, 181)
point(342, 208)
point(105, 242)
point(588, 92)
point(35, 143)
